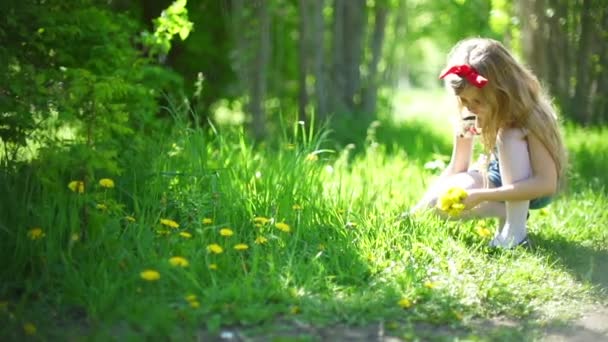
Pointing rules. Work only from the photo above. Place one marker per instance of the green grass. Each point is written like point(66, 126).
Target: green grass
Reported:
point(346, 259)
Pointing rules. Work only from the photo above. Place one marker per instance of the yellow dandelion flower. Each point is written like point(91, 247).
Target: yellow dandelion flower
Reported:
point(215, 248)
point(207, 220)
point(169, 223)
point(76, 186)
point(311, 157)
point(213, 266)
point(283, 227)
point(405, 303)
point(101, 206)
point(451, 201)
point(106, 183)
point(430, 285)
point(29, 328)
point(483, 231)
point(130, 218)
point(150, 275)
point(296, 207)
point(260, 240)
point(241, 247)
point(261, 220)
point(178, 261)
point(35, 233)
point(226, 232)
point(185, 235)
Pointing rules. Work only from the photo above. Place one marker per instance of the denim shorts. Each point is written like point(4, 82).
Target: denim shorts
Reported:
point(496, 179)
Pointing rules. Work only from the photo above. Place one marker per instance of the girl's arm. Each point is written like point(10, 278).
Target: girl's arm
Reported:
point(462, 153)
point(543, 181)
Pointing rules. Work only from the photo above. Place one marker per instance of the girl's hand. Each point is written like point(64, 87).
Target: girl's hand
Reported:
point(473, 199)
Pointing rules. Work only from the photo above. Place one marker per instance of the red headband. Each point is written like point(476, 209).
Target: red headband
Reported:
point(468, 72)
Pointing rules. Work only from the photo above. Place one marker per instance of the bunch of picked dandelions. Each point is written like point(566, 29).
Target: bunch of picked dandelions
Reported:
point(451, 201)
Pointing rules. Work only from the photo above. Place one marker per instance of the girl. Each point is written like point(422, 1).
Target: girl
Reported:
point(525, 159)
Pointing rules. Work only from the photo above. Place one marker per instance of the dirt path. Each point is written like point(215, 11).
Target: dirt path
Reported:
point(591, 326)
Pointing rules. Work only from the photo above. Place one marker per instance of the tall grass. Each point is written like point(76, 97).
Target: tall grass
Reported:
point(320, 222)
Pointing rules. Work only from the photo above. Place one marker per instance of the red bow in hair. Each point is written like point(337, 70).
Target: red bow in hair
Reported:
point(468, 72)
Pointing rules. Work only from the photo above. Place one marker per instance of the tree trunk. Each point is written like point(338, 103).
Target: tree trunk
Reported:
point(349, 27)
point(303, 59)
point(371, 90)
point(259, 68)
point(318, 50)
point(580, 108)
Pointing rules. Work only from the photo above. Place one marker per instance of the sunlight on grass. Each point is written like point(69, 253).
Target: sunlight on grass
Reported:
point(205, 230)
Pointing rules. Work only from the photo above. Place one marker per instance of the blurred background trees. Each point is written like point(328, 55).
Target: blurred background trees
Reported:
point(92, 74)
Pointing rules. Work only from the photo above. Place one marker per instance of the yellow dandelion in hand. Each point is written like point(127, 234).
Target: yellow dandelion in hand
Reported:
point(241, 247)
point(185, 235)
point(35, 233)
point(283, 227)
point(213, 266)
point(226, 232)
point(405, 303)
point(76, 186)
point(261, 220)
point(178, 261)
point(106, 183)
point(451, 201)
point(483, 231)
point(169, 223)
point(150, 275)
point(215, 248)
point(260, 240)
point(207, 220)
point(29, 328)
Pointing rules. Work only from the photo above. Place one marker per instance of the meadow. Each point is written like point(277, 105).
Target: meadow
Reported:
point(203, 229)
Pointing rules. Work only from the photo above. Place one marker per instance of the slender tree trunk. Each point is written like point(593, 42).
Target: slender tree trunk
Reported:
point(303, 59)
point(259, 68)
point(355, 23)
point(318, 50)
point(348, 33)
point(371, 90)
point(337, 74)
point(582, 89)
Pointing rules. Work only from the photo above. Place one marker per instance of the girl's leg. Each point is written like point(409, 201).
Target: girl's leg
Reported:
point(514, 163)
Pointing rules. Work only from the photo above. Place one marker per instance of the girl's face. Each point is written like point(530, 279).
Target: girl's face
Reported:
point(472, 98)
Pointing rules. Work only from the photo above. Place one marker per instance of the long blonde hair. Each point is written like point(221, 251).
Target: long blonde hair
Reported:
point(514, 95)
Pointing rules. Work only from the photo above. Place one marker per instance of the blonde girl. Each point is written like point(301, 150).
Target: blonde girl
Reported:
point(525, 156)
